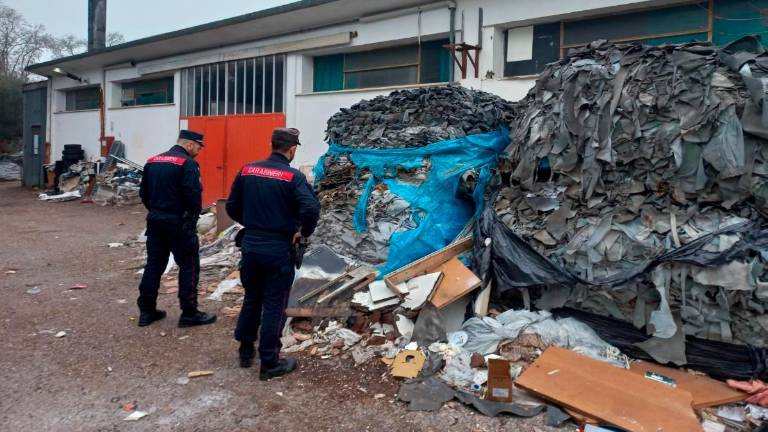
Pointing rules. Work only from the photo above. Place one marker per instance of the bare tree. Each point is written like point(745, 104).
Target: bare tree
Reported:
point(115, 38)
point(21, 44)
point(68, 45)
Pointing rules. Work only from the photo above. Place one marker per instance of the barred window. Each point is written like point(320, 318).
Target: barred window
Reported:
point(247, 86)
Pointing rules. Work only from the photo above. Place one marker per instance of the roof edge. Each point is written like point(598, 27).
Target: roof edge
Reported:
point(264, 13)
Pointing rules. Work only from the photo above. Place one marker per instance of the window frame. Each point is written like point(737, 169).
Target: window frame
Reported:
point(75, 91)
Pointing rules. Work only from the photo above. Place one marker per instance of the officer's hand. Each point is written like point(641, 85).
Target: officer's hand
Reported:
point(296, 237)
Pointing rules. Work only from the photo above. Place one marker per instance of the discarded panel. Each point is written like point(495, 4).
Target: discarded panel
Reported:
point(610, 394)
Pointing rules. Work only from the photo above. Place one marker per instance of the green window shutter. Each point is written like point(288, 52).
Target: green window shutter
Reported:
point(329, 73)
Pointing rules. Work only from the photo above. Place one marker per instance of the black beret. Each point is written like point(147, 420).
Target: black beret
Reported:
point(192, 136)
point(286, 136)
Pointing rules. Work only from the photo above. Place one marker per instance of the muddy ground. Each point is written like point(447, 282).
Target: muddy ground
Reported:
point(80, 382)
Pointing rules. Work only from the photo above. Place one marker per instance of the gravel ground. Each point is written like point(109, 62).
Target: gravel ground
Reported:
point(81, 381)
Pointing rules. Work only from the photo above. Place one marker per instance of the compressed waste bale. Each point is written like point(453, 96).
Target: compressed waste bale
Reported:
point(622, 152)
point(405, 119)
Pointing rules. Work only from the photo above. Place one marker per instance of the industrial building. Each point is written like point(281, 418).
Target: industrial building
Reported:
point(235, 80)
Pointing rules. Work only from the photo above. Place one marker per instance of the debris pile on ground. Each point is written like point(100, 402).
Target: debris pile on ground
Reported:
point(118, 186)
point(639, 160)
point(10, 166)
point(72, 183)
point(417, 117)
point(393, 154)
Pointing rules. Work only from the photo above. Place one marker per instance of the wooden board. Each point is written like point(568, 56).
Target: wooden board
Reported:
point(457, 282)
point(427, 263)
point(706, 392)
point(605, 392)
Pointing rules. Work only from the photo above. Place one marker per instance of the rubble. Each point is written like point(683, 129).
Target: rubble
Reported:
point(417, 117)
point(10, 166)
point(623, 153)
point(396, 153)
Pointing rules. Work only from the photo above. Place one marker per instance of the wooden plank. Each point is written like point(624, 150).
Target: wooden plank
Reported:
point(706, 392)
point(613, 395)
point(457, 281)
point(427, 263)
point(355, 278)
point(319, 312)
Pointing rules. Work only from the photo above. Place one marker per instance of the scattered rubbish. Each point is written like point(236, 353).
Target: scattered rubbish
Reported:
point(732, 412)
point(499, 381)
point(756, 389)
point(408, 364)
point(10, 167)
point(34, 290)
point(184, 337)
point(555, 417)
point(225, 286)
point(182, 381)
point(136, 415)
point(60, 334)
point(66, 196)
point(615, 395)
point(129, 407)
point(711, 426)
point(78, 286)
point(428, 394)
point(115, 245)
point(493, 409)
point(199, 373)
point(379, 396)
point(10, 272)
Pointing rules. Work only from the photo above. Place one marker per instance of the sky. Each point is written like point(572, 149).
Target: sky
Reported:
point(135, 19)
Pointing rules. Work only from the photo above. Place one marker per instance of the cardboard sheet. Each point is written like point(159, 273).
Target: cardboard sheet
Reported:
point(706, 392)
point(605, 392)
point(457, 282)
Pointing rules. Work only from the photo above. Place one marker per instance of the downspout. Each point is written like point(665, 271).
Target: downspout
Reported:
point(452, 40)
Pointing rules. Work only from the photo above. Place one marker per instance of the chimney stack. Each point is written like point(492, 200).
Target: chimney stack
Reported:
point(97, 24)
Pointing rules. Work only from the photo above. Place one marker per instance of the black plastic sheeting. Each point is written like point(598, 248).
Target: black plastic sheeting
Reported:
point(718, 359)
point(510, 262)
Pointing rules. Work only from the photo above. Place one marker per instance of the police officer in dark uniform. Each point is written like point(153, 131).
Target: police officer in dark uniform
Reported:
point(277, 207)
point(171, 191)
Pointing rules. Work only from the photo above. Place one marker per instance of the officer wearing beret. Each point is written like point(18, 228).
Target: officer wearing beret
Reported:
point(171, 191)
point(277, 207)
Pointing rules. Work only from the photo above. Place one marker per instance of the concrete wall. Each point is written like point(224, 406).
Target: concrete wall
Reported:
point(79, 127)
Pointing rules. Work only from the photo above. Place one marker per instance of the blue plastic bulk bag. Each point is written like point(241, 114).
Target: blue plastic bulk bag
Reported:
point(437, 210)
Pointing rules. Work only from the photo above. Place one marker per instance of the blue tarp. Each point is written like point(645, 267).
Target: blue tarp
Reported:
point(437, 210)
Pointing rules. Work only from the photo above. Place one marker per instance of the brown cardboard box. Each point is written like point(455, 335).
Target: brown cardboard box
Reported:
point(499, 381)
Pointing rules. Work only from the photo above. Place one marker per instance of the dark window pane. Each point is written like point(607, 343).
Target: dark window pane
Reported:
point(381, 77)
point(279, 60)
point(395, 56)
point(198, 91)
point(435, 62)
point(222, 79)
point(183, 93)
point(82, 99)
point(268, 83)
point(636, 25)
point(240, 108)
point(546, 49)
point(249, 86)
point(206, 91)
point(190, 92)
point(231, 87)
point(259, 84)
point(328, 73)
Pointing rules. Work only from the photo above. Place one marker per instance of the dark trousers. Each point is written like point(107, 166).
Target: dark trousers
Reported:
point(267, 281)
point(162, 240)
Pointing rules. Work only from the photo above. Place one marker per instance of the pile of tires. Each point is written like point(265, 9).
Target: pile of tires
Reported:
point(72, 153)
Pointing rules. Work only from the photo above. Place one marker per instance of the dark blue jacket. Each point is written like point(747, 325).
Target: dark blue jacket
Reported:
point(171, 188)
point(272, 201)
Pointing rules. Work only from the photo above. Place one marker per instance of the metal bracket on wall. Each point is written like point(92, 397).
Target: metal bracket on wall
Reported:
point(468, 52)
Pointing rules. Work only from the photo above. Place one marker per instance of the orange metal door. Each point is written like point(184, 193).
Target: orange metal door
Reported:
point(249, 138)
point(211, 158)
point(230, 143)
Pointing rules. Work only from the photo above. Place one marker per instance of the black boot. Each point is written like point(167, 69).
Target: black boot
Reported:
point(147, 318)
point(196, 318)
point(247, 353)
point(283, 367)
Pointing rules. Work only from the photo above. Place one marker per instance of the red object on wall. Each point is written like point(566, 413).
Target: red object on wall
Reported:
point(231, 142)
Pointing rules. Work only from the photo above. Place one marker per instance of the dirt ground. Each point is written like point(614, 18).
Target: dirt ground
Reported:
point(81, 381)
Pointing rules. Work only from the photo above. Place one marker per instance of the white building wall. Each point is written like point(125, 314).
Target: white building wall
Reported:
point(79, 127)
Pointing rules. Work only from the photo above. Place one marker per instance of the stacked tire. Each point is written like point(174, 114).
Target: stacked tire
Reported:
point(72, 153)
